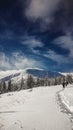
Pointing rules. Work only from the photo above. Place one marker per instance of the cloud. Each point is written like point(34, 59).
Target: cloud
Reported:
point(60, 59)
point(42, 9)
point(65, 42)
point(21, 61)
point(4, 61)
point(51, 54)
point(17, 61)
point(35, 51)
point(56, 57)
point(32, 42)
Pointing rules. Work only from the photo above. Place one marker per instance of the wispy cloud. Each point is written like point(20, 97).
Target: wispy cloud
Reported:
point(65, 42)
point(56, 57)
point(35, 51)
point(32, 42)
point(21, 61)
point(52, 55)
point(4, 61)
point(17, 61)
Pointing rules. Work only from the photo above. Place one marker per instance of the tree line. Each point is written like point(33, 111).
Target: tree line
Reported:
point(33, 82)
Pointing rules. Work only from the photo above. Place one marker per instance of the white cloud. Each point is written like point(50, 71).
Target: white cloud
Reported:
point(17, 61)
point(41, 9)
point(66, 42)
point(21, 61)
point(32, 43)
point(56, 57)
point(4, 61)
point(35, 51)
point(53, 56)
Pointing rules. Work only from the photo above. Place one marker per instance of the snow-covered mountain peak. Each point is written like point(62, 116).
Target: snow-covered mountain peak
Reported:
point(16, 75)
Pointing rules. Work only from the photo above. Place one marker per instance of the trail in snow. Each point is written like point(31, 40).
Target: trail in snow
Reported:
point(33, 110)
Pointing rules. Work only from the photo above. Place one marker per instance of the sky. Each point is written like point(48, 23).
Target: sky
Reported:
point(36, 34)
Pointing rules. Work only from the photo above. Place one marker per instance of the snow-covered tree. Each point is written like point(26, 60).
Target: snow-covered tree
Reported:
point(38, 82)
point(4, 87)
point(30, 82)
point(46, 80)
point(22, 83)
point(9, 85)
point(69, 78)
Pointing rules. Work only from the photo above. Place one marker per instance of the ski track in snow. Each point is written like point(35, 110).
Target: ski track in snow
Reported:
point(33, 110)
point(65, 99)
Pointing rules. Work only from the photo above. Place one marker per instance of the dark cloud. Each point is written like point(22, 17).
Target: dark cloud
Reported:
point(64, 16)
point(45, 14)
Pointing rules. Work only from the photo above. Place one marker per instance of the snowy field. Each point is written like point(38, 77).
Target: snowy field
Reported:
point(35, 109)
point(67, 97)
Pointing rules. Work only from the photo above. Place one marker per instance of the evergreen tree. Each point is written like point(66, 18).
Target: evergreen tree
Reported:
point(30, 82)
point(1, 88)
point(56, 82)
point(9, 85)
point(4, 87)
point(69, 79)
point(46, 79)
point(42, 82)
point(22, 83)
point(14, 87)
point(38, 81)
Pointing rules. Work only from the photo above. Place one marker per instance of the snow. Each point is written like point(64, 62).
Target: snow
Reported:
point(65, 74)
point(34, 109)
point(16, 75)
point(7, 73)
point(67, 97)
point(4, 74)
point(16, 79)
point(12, 72)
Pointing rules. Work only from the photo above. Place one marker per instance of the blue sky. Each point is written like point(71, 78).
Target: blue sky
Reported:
point(36, 33)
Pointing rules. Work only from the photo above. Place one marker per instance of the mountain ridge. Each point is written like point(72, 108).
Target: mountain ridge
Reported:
point(16, 75)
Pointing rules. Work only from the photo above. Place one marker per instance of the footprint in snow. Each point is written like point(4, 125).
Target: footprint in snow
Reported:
point(18, 122)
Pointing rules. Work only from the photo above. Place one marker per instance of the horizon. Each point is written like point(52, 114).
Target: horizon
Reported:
point(47, 70)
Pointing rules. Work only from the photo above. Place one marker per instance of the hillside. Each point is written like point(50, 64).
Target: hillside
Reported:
point(34, 109)
point(16, 75)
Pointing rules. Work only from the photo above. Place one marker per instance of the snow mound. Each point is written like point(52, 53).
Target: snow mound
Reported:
point(67, 97)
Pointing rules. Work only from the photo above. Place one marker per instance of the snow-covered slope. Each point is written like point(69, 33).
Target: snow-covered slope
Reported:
point(43, 73)
point(65, 74)
point(32, 110)
point(16, 75)
point(67, 97)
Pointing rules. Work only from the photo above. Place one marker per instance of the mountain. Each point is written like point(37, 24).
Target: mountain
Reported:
point(65, 74)
point(43, 73)
point(16, 75)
